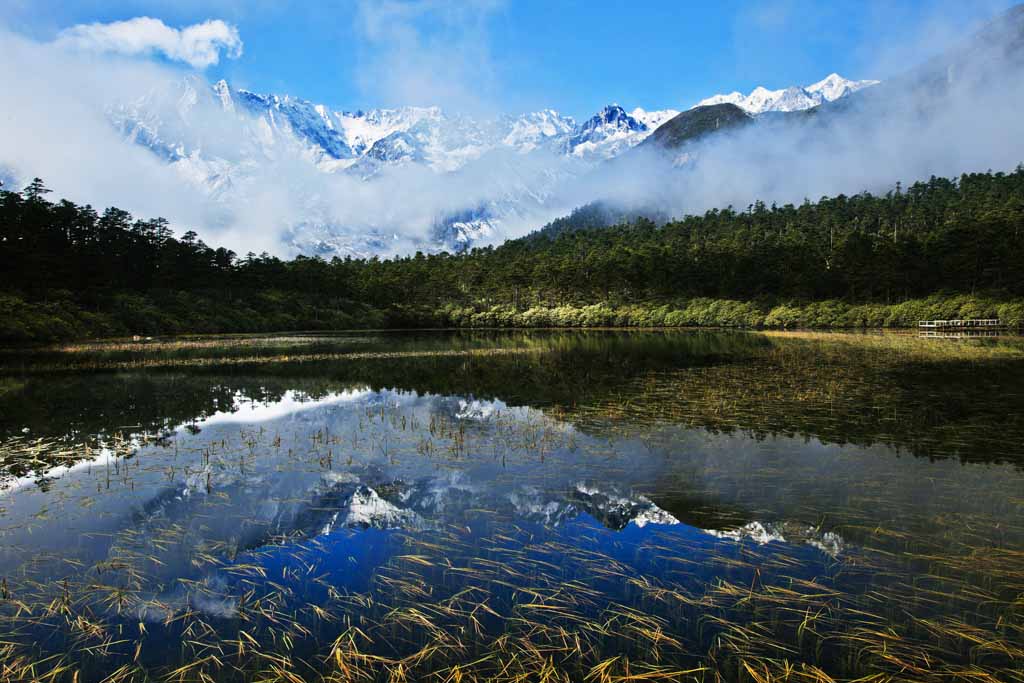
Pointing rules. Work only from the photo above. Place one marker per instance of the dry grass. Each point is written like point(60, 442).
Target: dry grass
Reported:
point(906, 346)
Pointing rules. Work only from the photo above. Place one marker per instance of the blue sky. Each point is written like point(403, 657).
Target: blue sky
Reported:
point(520, 55)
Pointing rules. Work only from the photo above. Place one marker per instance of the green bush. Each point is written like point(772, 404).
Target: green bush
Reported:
point(61, 318)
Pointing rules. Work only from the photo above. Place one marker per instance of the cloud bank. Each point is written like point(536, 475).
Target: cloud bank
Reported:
point(199, 45)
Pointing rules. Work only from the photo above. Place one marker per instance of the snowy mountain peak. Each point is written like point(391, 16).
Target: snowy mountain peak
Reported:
point(793, 98)
point(615, 115)
point(653, 119)
point(834, 86)
point(362, 129)
point(607, 133)
point(298, 118)
point(731, 98)
point(223, 92)
point(528, 131)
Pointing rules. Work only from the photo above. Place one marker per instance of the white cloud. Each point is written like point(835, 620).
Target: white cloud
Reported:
point(199, 45)
point(428, 52)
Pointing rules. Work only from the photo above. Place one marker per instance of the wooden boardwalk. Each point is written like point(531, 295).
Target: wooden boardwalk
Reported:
point(961, 329)
point(970, 324)
point(960, 334)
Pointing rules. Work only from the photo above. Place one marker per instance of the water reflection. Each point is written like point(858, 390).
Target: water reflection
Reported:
point(625, 506)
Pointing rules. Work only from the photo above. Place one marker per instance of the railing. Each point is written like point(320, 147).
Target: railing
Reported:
point(984, 323)
point(960, 334)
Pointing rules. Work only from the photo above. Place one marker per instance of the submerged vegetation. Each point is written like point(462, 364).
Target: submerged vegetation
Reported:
point(596, 506)
point(937, 249)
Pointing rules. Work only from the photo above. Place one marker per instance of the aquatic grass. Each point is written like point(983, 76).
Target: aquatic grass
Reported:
point(919, 592)
point(906, 345)
point(69, 363)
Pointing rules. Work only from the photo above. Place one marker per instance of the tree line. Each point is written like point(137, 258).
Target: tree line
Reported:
point(110, 272)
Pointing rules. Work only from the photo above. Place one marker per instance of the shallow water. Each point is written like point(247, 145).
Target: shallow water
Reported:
point(550, 506)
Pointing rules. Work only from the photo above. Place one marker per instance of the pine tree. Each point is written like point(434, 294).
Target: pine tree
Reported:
point(35, 190)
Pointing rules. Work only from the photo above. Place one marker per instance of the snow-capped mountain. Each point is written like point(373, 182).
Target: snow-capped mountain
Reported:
point(303, 119)
point(363, 129)
point(530, 131)
point(434, 137)
point(610, 130)
point(793, 98)
point(653, 119)
point(483, 176)
point(226, 142)
point(170, 123)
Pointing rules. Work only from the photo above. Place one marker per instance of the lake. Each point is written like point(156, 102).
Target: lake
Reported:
point(531, 506)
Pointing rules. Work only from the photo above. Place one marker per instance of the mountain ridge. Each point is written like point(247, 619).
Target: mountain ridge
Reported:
point(792, 98)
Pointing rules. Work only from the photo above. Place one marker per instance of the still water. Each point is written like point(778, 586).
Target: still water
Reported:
point(600, 506)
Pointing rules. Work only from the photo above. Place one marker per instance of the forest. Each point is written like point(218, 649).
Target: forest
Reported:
point(940, 248)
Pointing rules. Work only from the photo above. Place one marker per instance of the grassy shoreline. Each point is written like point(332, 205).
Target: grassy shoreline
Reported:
point(65, 320)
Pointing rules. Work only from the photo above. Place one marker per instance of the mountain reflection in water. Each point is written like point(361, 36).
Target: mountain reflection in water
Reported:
point(668, 503)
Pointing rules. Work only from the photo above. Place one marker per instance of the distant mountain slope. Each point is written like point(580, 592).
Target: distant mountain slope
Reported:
point(594, 216)
point(694, 124)
point(989, 59)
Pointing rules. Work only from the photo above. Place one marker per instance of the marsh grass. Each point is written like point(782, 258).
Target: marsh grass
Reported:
point(906, 346)
point(138, 362)
point(923, 591)
point(228, 350)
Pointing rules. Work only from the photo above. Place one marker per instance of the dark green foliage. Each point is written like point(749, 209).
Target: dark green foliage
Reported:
point(963, 236)
point(594, 216)
point(70, 272)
